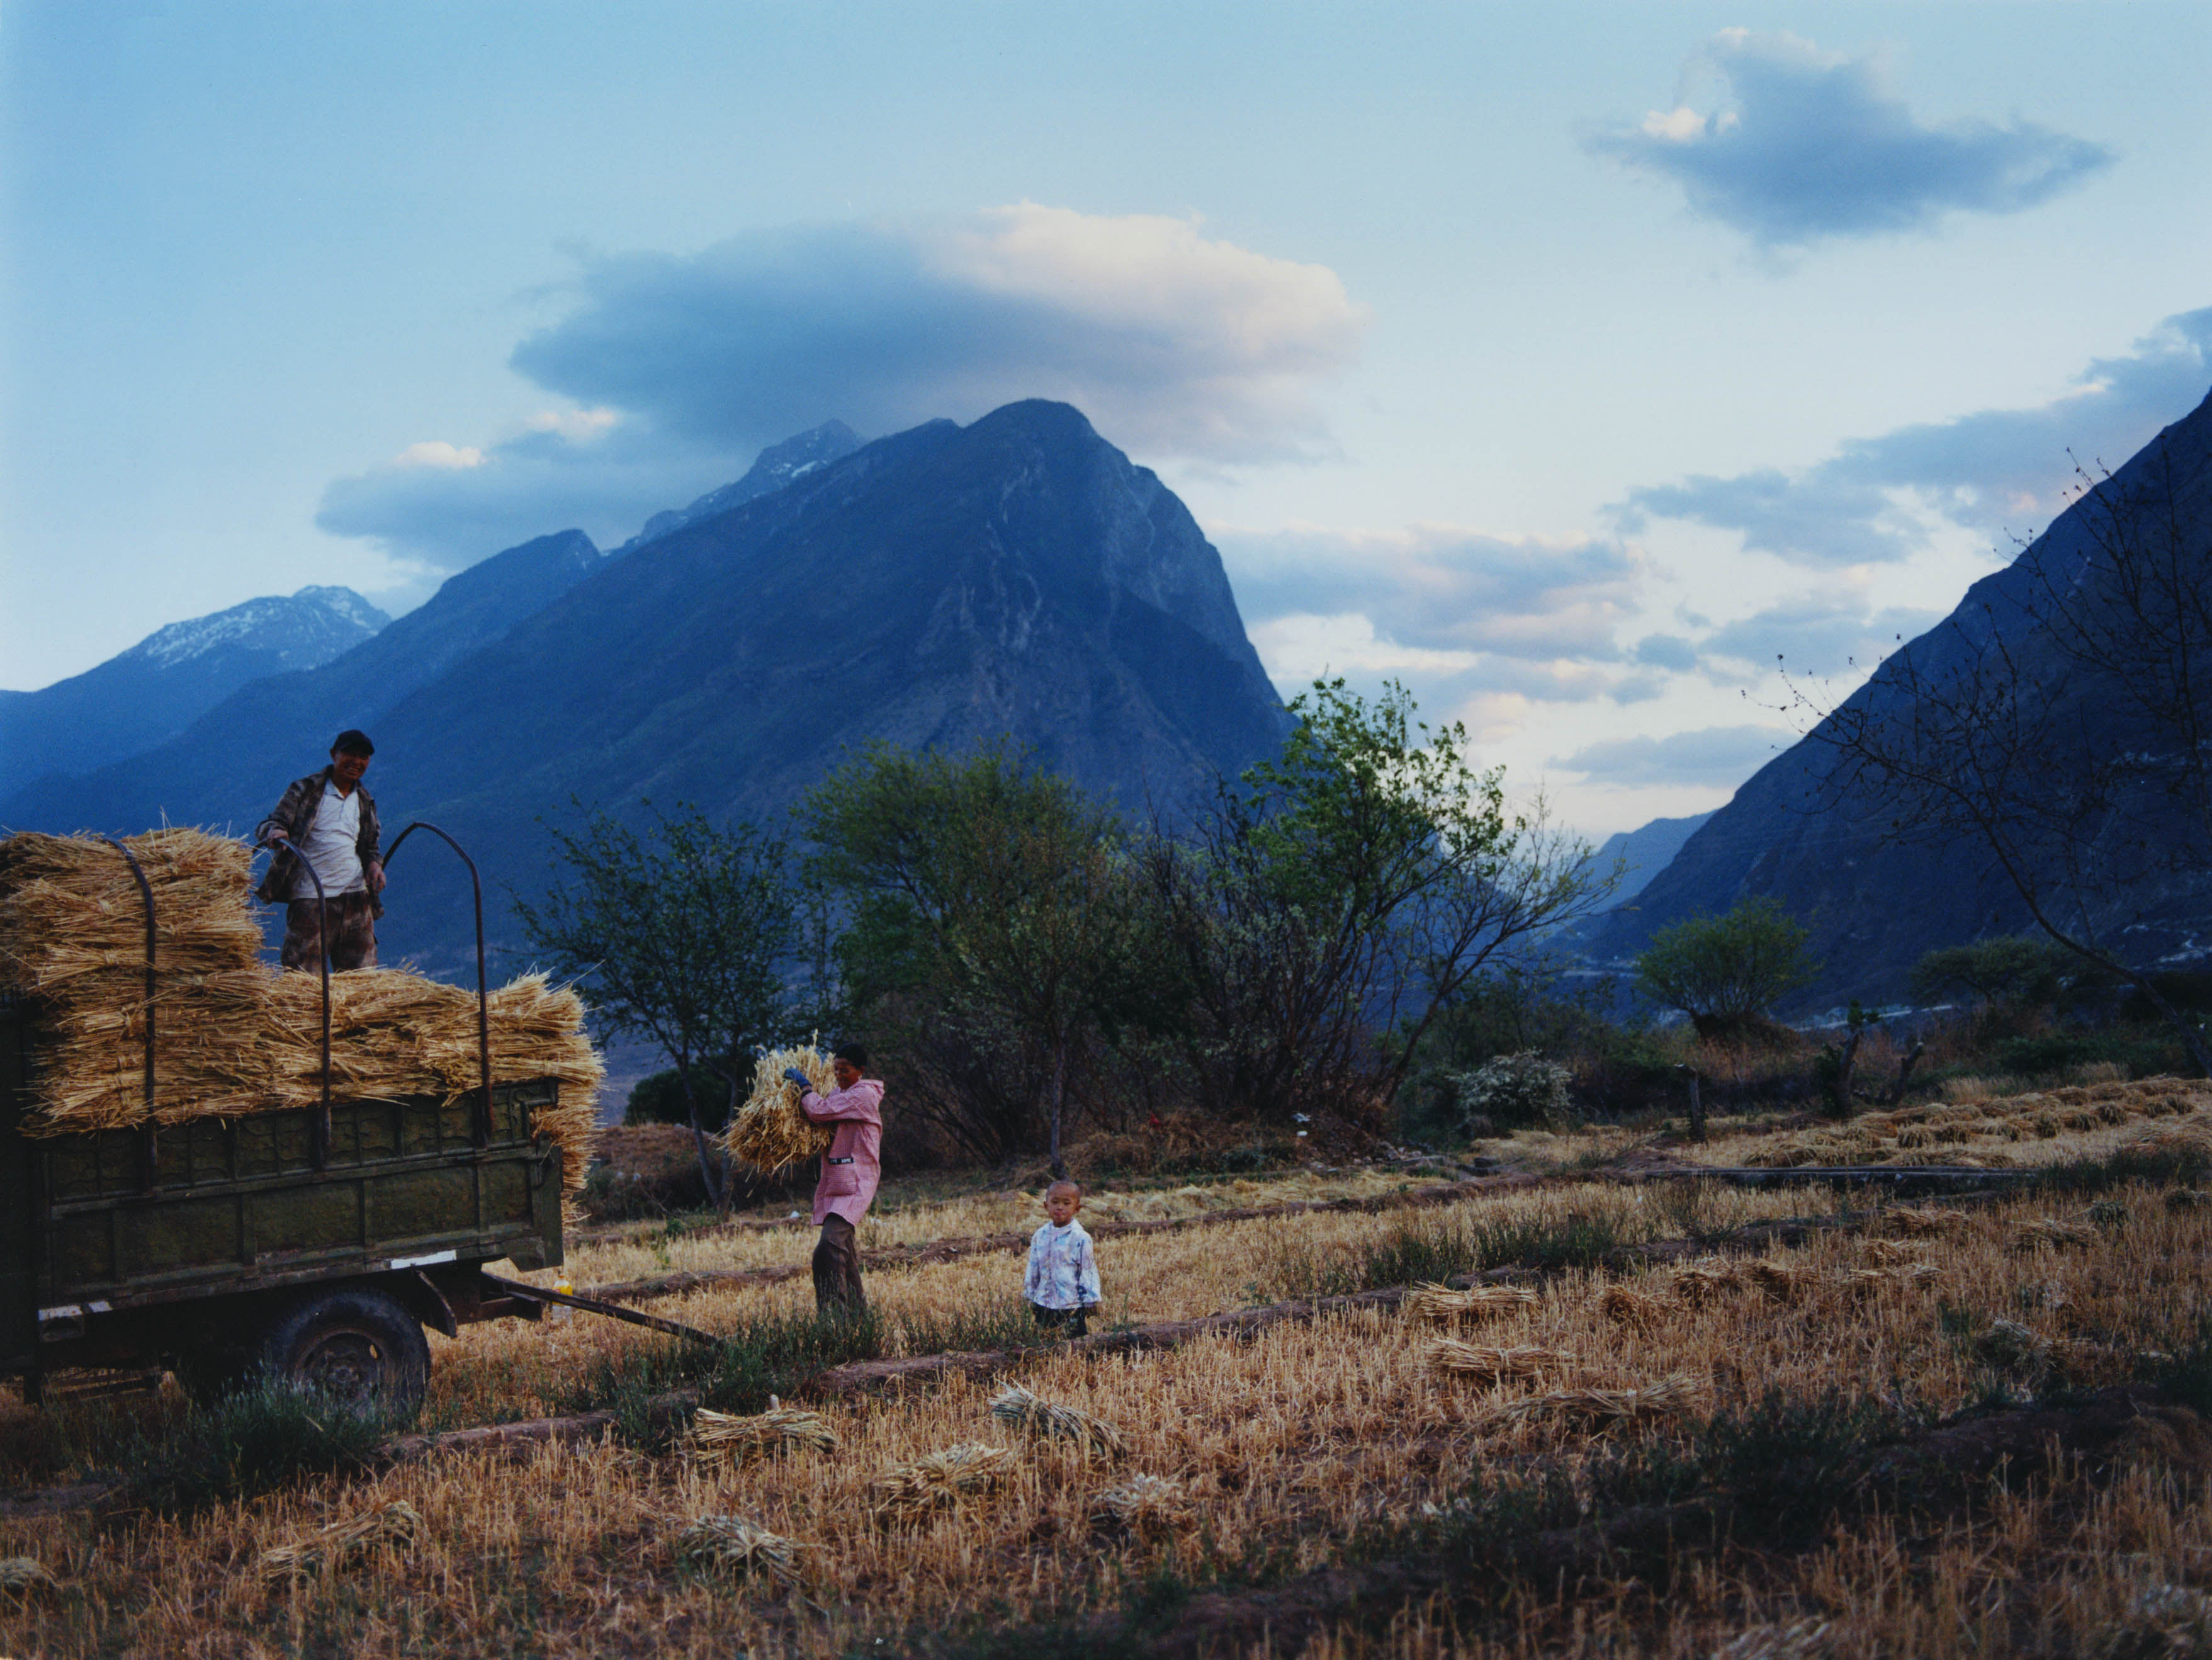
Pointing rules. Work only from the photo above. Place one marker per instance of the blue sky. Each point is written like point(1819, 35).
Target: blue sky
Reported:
point(1568, 362)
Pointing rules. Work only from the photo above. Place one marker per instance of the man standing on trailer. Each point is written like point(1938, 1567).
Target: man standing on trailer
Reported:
point(850, 1170)
point(329, 819)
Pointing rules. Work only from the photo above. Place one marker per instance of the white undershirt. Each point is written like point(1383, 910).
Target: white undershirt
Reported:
point(333, 845)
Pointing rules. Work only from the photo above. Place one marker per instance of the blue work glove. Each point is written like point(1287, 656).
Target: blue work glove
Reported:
point(799, 1077)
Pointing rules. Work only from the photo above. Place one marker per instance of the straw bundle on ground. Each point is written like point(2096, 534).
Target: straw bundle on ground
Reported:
point(24, 1577)
point(1454, 1358)
point(769, 1132)
point(1921, 1222)
point(1889, 1253)
point(2050, 1231)
point(1783, 1282)
point(1016, 1405)
point(1633, 1309)
point(738, 1545)
point(940, 1479)
point(1606, 1409)
point(1807, 1639)
point(1696, 1284)
point(1143, 1504)
point(2012, 1346)
point(721, 1437)
point(1441, 1304)
point(395, 1526)
point(1872, 1282)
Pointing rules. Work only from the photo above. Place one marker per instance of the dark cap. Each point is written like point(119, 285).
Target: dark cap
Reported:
point(352, 741)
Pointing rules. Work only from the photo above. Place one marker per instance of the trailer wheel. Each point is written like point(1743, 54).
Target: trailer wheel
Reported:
point(357, 1346)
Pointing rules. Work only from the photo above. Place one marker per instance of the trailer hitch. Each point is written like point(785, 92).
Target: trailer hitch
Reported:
point(593, 1305)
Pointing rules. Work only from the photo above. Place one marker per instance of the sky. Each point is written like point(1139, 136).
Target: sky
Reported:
point(1570, 364)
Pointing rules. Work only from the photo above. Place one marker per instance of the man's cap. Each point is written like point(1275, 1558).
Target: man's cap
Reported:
point(352, 741)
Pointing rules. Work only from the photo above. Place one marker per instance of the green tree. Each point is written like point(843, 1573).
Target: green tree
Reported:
point(989, 917)
point(1725, 972)
point(679, 936)
point(2017, 970)
point(1349, 890)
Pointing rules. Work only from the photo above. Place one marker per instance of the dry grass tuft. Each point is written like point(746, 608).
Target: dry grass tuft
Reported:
point(2186, 1198)
point(738, 1545)
point(396, 1527)
point(1600, 1410)
point(941, 1478)
point(1143, 1504)
point(719, 1437)
point(1453, 1358)
point(1441, 1304)
point(1016, 1405)
point(2160, 1620)
point(769, 1132)
point(1636, 1310)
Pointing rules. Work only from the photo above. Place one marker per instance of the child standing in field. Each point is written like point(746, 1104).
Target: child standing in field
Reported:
point(1062, 1281)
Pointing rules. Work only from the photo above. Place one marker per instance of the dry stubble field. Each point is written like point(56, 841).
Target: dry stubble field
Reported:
point(1333, 1441)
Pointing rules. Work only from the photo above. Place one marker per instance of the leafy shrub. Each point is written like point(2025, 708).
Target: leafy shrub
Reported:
point(1515, 1090)
point(250, 1443)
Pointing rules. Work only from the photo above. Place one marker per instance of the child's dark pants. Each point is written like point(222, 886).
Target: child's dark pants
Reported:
point(1068, 1323)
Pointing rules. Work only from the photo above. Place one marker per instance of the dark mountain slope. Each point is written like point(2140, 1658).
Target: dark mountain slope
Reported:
point(1876, 903)
point(157, 688)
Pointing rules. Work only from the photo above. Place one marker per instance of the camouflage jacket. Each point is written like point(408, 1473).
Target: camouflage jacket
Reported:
point(295, 817)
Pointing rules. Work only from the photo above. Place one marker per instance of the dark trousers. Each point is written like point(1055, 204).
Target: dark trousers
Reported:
point(837, 1269)
point(1068, 1323)
point(353, 933)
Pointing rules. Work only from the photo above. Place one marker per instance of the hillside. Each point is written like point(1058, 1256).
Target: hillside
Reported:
point(1876, 900)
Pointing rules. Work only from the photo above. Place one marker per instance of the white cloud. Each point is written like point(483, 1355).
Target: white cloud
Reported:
point(437, 453)
point(1721, 756)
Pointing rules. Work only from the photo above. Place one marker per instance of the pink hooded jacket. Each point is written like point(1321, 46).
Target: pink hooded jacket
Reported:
point(854, 1164)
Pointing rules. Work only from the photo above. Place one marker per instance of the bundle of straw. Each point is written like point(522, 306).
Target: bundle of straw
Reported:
point(1923, 1221)
point(2012, 1346)
point(395, 1526)
point(1441, 1304)
point(1016, 1405)
point(940, 1479)
point(23, 1577)
point(739, 1545)
point(1634, 1309)
point(1454, 1358)
point(720, 1437)
point(1872, 1282)
point(1143, 1504)
point(1806, 1639)
point(769, 1132)
point(2050, 1231)
point(1697, 1286)
point(1602, 1410)
point(1890, 1253)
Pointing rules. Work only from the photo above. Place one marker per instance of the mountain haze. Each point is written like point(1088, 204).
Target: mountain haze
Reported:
point(947, 586)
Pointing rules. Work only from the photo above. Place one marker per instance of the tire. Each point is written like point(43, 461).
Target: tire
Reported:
point(358, 1347)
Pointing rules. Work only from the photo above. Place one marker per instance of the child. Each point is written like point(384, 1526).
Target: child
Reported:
point(1062, 1282)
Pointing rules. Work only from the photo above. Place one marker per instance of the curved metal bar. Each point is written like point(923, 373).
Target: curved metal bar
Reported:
point(320, 1152)
point(483, 997)
point(152, 1146)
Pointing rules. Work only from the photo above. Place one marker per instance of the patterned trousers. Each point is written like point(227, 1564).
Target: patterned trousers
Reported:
point(353, 933)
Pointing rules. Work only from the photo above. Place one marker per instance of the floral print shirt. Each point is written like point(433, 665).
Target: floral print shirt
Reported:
point(1063, 1273)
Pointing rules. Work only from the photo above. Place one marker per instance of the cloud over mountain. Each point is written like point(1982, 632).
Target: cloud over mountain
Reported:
point(1722, 755)
point(1991, 471)
point(1804, 144)
point(680, 366)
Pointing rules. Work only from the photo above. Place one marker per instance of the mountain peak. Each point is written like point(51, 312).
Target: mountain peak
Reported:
point(777, 465)
point(300, 632)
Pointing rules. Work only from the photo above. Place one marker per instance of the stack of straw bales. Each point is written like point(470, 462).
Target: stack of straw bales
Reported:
point(230, 1036)
point(769, 1132)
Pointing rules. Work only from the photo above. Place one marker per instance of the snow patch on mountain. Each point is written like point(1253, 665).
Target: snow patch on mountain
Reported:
point(302, 632)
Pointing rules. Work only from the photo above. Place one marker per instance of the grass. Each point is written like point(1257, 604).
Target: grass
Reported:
point(248, 1444)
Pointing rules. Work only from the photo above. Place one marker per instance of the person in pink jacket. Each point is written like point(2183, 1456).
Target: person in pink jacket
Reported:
point(850, 1170)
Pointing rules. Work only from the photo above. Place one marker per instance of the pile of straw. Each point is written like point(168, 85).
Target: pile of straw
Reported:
point(1143, 1504)
point(769, 1132)
point(720, 1437)
point(25, 1576)
point(1454, 1358)
point(1600, 1410)
point(2050, 1231)
point(1783, 1282)
point(1872, 1282)
point(231, 1036)
point(1891, 1253)
point(736, 1544)
point(1046, 1419)
point(1441, 1304)
point(940, 1479)
point(1922, 1221)
point(1634, 1309)
point(1697, 1286)
point(395, 1526)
